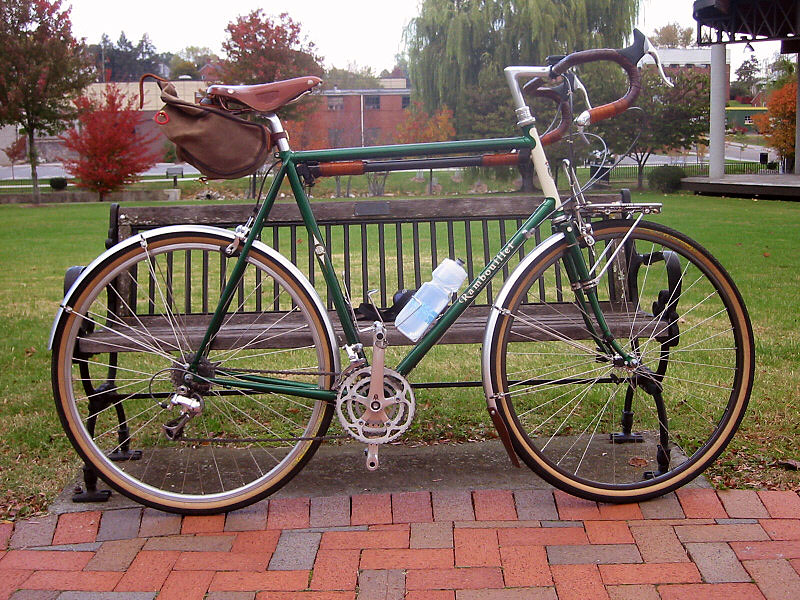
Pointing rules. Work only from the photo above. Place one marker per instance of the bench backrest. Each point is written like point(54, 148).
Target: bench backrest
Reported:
point(379, 244)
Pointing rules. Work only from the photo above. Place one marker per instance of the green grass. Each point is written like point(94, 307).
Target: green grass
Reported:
point(756, 240)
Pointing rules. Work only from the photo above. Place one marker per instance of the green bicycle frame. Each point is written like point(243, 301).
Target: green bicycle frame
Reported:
point(289, 170)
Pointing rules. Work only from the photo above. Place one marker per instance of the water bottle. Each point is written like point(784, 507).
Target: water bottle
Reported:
point(429, 300)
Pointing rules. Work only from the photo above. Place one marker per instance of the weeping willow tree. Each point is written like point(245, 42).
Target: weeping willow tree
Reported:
point(457, 50)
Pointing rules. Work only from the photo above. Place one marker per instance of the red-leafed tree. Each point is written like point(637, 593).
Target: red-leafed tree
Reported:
point(778, 123)
point(42, 68)
point(16, 152)
point(419, 126)
point(261, 49)
point(110, 151)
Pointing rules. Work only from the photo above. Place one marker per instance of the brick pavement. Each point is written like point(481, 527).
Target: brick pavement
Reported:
point(441, 545)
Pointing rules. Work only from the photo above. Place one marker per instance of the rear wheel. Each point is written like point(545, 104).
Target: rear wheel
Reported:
point(169, 438)
point(585, 421)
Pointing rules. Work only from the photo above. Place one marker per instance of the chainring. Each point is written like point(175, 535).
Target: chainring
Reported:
point(370, 425)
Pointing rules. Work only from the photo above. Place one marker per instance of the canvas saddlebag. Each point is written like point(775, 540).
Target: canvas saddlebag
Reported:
point(218, 143)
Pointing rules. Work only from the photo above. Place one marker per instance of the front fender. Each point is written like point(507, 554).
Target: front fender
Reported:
point(500, 304)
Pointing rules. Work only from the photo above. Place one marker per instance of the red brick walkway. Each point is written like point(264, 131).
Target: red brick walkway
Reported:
point(458, 545)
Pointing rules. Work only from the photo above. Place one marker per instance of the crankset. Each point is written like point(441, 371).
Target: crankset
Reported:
point(375, 404)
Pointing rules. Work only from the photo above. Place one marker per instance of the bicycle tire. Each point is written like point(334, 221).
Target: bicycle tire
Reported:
point(244, 445)
point(564, 404)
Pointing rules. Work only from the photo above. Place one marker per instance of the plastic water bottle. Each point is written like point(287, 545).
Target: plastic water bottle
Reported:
point(430, 299)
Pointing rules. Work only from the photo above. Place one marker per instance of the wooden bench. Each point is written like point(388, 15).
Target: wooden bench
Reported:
point(386, 245)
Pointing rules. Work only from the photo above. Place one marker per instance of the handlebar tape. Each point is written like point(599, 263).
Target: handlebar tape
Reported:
point(627, 58)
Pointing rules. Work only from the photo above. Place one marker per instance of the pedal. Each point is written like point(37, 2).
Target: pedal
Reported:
point(372, 457)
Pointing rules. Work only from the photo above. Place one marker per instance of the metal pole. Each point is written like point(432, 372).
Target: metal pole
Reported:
point(362, 119)
point(797, 123)
point(719, 87)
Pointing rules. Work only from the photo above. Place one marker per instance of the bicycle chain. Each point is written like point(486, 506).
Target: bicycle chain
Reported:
point(285, 372)
point(259, 440)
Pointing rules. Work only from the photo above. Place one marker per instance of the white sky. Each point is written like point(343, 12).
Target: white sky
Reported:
point(367, 32)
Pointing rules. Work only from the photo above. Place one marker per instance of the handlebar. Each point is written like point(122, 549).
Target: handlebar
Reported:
point(627, 58)
point(561, 95)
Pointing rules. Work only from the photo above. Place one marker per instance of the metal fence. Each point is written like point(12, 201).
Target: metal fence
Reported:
point(630, 172)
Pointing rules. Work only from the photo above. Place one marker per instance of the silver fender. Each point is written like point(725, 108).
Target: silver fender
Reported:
point(224, 233)
point(500, 303)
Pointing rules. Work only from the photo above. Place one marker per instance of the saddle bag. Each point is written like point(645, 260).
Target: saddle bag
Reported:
point(218, 143)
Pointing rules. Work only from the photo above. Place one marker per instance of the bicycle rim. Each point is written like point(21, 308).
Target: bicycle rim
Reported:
point(581, 418)
point(119, 360)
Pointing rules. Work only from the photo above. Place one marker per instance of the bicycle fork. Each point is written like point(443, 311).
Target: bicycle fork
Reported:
point(584, 287)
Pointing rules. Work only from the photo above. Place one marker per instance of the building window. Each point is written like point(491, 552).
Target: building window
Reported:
point(372, 102)
point(335, 102)
point(748, 119)
point(406, 101)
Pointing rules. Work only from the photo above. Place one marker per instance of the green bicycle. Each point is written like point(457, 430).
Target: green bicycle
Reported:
point(617, 360)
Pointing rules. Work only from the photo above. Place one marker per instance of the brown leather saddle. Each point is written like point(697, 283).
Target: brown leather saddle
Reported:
point(263, 97)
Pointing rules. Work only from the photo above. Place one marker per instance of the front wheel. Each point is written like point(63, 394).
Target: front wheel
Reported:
point(168, 437)
point(581, 417)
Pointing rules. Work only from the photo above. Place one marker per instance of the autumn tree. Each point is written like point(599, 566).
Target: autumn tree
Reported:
point(41, 70)
point(261, 48)
point(672, 35)
point(418, 126)
point(108, 150)
point(16, 152)
point(778, 123)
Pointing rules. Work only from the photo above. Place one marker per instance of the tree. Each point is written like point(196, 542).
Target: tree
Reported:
point(778, 123)
point(418, 126)
point(457, 50)
point(351, 78)
point(669, 119)
point(110, 152)
point(16, 152)
point(455, 45)
point(261, 48)
point(781, 71)
point(672, 35)
point(190, 60)
point(42, 69)
point(124, 61)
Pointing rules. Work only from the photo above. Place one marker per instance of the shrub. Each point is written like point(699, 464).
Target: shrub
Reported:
point(666, 178)
point(58, 183)
point(170, 154)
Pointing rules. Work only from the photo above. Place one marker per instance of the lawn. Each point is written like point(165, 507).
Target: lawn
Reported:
point(756, 240)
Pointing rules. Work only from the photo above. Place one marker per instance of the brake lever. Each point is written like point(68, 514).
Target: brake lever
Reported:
point(653, 52)
point(578, 85)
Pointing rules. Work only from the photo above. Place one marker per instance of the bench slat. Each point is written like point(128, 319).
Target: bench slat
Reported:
point(283, 330)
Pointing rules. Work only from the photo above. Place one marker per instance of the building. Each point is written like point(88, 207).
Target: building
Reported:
point(365, 117)
point(674, 59)
point(738, 117)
